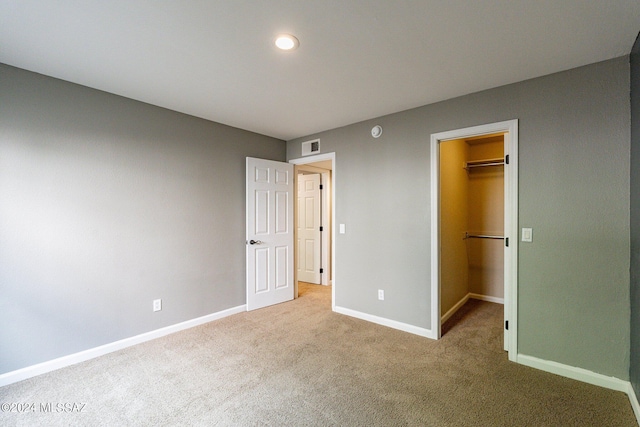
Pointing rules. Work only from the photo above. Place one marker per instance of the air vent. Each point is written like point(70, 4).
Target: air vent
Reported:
point(311, 147)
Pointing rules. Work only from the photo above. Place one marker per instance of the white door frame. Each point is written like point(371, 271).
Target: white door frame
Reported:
point(313, 159)
point(510, 128)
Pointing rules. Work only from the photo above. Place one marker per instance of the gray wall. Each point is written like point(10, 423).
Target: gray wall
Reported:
point(107, 204)
point(574, 193)
point(634, 372)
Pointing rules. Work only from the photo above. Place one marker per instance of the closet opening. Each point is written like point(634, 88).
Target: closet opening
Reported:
point(474, 228)
point(471, 226)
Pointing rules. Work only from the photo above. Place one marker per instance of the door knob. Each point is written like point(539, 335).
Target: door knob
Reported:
point(255, 242)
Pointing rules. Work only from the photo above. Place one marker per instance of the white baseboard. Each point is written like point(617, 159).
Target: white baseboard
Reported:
point(455, 308)
point(487, 298)
point(386, 322)
point(572, 372)
point(72, 359)
point(583, 375)
point(634, 402)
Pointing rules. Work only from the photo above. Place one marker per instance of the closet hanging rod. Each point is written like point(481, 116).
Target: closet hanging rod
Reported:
point(481, 236)
point(483, 163)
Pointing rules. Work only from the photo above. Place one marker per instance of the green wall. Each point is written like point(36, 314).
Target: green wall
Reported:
point(107, 204)
point(574, 142)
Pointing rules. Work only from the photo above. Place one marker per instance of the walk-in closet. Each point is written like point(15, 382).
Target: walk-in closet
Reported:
point(472, 222)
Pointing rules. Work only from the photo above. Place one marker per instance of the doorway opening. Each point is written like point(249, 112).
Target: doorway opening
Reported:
point(471, 223)
point(313, 223)
point(474, 223)
point(314, 214)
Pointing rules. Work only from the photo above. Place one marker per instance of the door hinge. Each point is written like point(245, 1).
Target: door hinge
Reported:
point(506, 241)
point(321, 228)
point(321, 186)
point(506, 325)
point(506, 159)
point(321, 270)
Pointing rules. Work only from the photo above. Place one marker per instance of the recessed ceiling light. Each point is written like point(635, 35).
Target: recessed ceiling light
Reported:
point(287, 42)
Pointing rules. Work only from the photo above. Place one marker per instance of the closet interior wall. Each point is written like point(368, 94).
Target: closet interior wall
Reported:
point(471, 202)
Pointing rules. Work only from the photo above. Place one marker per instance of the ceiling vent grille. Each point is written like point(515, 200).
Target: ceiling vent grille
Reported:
point(311, 147)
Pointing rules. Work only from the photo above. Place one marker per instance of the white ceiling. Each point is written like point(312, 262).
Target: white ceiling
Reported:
point(358, 59)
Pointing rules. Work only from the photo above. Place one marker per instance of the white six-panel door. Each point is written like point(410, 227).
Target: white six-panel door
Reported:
point(269, 232)
point(309, 222)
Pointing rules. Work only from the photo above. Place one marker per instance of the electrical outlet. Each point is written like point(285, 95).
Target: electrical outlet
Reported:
point(381, 294)
point(157, 304)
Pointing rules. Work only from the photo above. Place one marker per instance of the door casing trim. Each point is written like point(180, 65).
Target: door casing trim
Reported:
point(318, 158)
point(510, 128)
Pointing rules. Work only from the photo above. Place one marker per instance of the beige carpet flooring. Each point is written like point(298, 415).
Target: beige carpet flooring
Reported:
point(299, 364)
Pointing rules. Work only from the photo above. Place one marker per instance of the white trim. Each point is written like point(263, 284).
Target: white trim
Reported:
point(486, 298)
point(574, 373)
point(634, 402)
point(511, 229)
point(510, 128)
point(455, 308)
point(318, 158)
point(585, 376)
point(72, 359)
point(436, 325)
point(385, 322)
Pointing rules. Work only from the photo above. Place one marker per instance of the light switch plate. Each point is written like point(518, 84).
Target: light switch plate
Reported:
point(342, 229)
point(527, 234)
